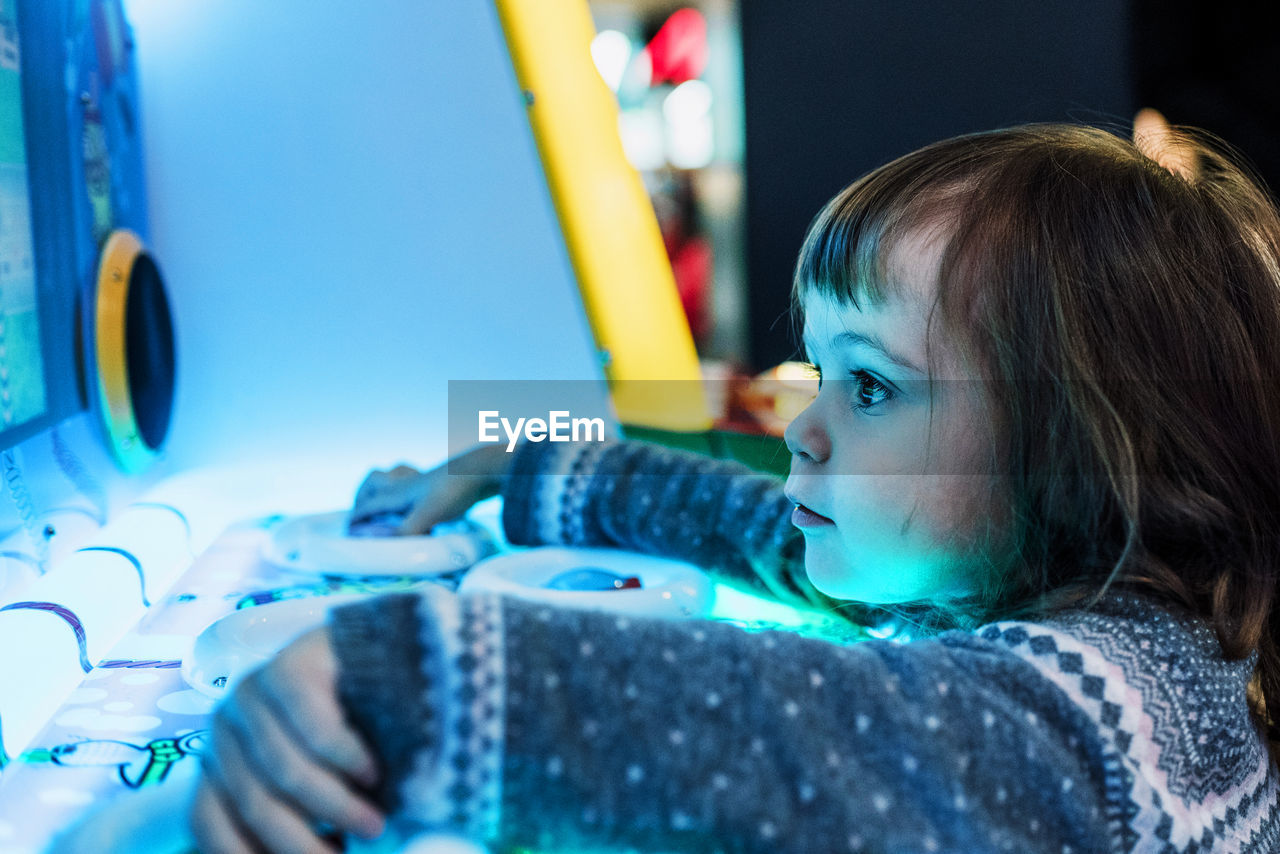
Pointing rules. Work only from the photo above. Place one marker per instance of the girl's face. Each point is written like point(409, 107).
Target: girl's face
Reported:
point(886, 472)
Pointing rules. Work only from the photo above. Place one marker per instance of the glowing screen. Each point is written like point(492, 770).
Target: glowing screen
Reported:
point(22, 396)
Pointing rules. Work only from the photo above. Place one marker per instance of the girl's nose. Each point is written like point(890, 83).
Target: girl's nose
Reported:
point(806, 437)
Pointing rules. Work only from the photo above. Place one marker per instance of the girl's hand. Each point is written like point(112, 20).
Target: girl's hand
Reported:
point(418, 500)
point(283, 762)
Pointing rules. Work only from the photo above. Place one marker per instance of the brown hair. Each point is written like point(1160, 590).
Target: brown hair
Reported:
point(1130, 319)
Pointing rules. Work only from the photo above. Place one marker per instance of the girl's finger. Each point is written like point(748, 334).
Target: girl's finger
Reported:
point(386, 493)
point(257, 813)
point(281, 763)
point(424, 516)
point(211, 827)
point(300, 685)
point(403, 471)
point(372, 484)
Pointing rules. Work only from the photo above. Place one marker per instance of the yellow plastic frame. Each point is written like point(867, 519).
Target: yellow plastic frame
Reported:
point(609, 226)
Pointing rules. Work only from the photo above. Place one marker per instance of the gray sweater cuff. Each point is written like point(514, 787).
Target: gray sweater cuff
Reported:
point(389, 672)
point(546, 489)
point(422, 678)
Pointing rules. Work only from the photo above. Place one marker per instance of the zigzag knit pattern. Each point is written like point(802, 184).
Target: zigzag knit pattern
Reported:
point(1189, 773)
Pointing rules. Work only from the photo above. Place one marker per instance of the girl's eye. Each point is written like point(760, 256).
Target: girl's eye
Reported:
point(868, 391)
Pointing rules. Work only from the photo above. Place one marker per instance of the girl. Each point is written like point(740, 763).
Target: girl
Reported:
point(1045, 434)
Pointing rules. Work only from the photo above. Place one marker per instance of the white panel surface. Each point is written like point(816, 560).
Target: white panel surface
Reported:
point(348, 207)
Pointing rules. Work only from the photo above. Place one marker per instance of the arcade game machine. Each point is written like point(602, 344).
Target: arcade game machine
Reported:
point(87, 361)
point(437, 197)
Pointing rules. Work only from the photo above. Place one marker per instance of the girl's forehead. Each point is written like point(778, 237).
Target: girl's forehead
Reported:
point(908, 274)
point(914, 265)
point(903, 319)
point(893, 323)
point(904, 301)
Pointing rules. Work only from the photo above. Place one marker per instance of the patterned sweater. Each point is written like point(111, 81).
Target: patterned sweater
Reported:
point(1117, 729)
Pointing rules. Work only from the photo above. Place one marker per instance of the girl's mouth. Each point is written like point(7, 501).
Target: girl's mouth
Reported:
point(803, 517)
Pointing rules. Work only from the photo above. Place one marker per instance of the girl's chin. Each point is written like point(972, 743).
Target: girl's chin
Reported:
point(838, 582)
point(841, 581)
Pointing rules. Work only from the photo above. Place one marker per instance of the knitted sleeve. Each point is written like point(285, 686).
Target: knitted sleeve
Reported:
point(554, 729)
point(717, 514)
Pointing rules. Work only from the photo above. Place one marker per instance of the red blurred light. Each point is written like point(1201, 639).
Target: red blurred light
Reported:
point(679, 50)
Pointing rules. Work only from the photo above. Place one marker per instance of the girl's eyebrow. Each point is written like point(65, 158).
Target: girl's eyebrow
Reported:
point(850, 339)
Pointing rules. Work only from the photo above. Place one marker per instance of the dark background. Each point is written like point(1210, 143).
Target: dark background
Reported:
point(834, 88)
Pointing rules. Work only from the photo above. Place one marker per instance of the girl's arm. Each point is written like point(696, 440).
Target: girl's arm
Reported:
point(557, 730)
point(718, 514)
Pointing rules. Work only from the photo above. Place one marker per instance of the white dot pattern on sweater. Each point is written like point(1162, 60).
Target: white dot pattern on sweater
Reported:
point(765, 717)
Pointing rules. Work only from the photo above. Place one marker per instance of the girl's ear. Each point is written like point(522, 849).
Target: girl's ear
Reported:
point(1154, 138)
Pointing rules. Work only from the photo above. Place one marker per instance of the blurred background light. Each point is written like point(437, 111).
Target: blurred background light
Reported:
point(679, 50)
point(611, 51)
point(642, 138)
point(690, 138)
point(688, 102)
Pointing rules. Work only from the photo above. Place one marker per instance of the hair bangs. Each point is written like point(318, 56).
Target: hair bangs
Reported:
point(848, 250)
point(845, 253)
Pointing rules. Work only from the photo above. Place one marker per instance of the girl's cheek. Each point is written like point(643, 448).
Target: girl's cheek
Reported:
point(952, 511)
point(978, 523)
